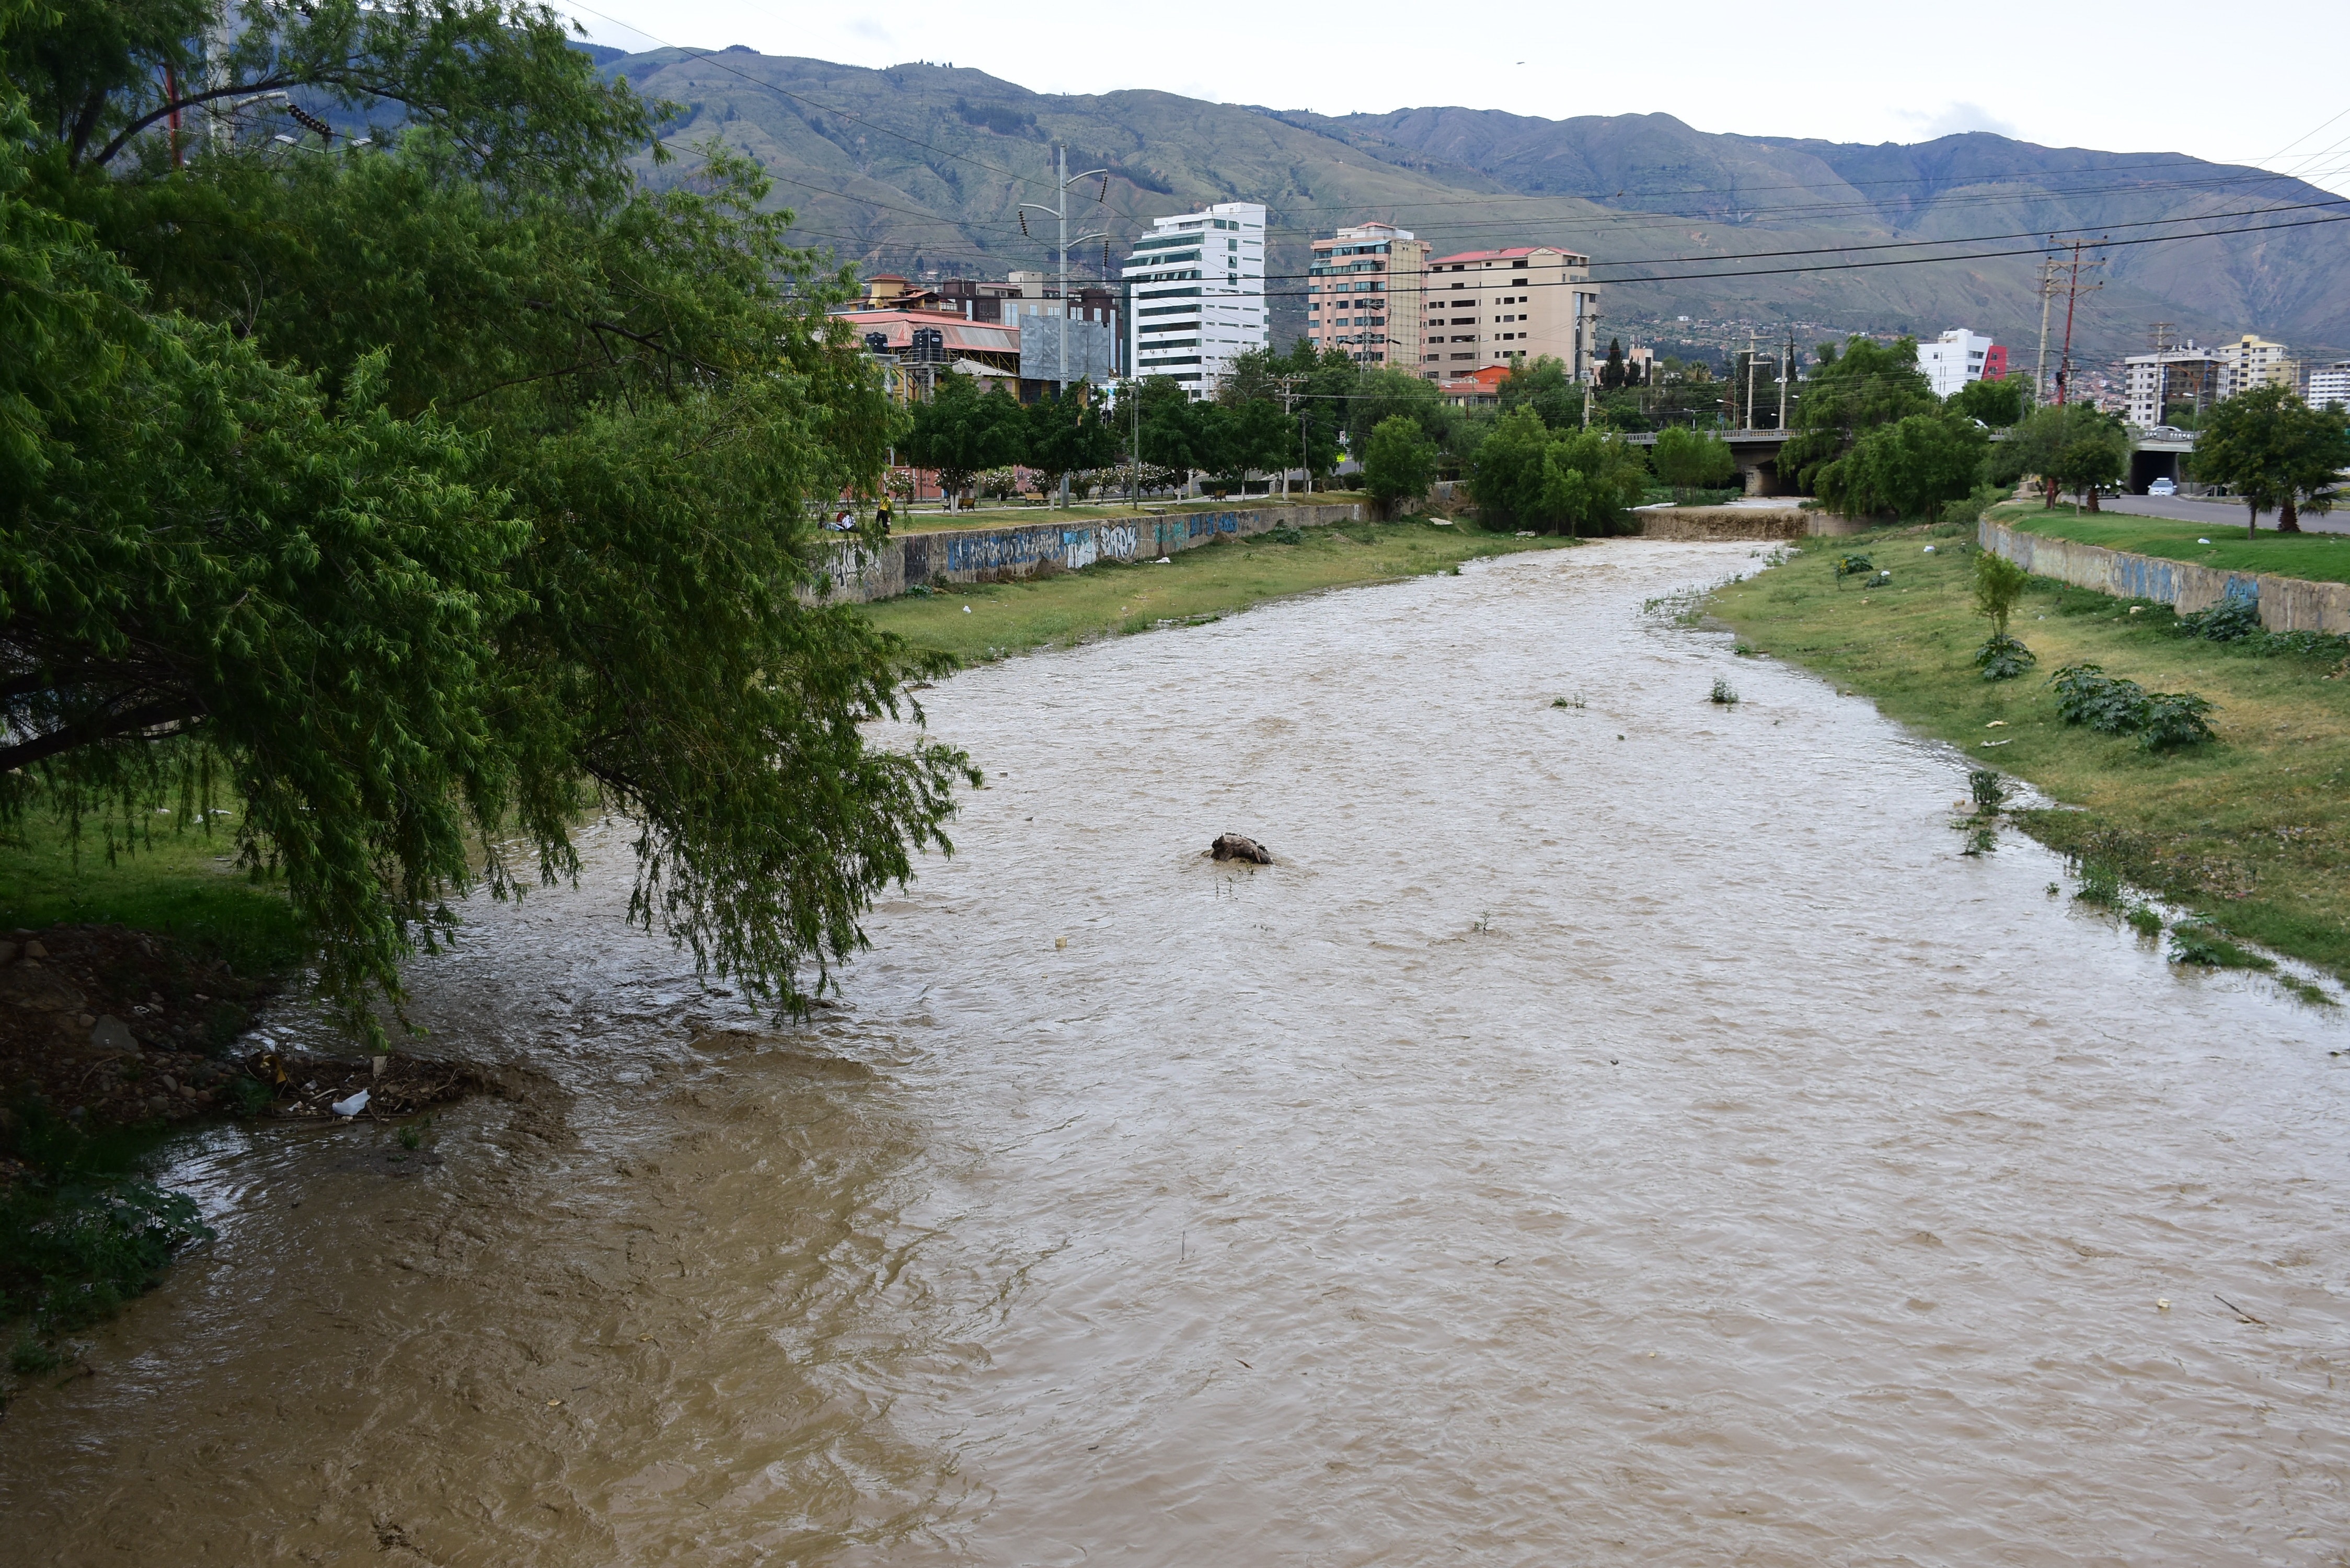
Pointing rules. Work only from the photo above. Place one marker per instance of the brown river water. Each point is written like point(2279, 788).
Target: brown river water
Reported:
point(1608, 1135)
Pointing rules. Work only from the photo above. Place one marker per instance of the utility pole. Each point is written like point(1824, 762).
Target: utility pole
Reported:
point(1289, 405)
point(2071, 299)
point(1787, 374)
point(2040, 366)
point(1060, 213)
point(1750, 379)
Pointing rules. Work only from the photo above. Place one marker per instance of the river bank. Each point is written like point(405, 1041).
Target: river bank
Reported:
point(973, 623)
point(1608, 1133)
point(2251, 833)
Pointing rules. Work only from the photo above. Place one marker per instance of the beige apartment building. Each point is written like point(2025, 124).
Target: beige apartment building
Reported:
point(1362, 294)
point(2257, 362)
point(1505, 306)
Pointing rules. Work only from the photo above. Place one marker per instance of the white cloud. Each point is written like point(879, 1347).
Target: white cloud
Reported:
point(866, 28)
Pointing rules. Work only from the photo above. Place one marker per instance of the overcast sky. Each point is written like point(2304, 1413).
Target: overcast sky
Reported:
point(2251, 82)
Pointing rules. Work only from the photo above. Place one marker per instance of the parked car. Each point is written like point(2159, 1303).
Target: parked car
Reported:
point(2162, 487)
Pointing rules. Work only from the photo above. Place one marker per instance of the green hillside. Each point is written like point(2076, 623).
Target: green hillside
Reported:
point(921, 166)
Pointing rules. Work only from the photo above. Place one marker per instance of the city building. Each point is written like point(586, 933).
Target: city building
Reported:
point(1196, 288)
point(1363, 294)
point(1477, 389)
point(1502, 307)
point(2329, 385)
point(1957, 357)
point(2186, 374)
point(2257, 362)
point(913, 347)
point(1005, 303)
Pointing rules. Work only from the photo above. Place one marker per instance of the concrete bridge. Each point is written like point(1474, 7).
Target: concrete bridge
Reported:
point(2156, 456)
point(1756, 453)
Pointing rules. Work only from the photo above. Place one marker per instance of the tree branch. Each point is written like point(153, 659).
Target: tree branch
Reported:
point(163, 711)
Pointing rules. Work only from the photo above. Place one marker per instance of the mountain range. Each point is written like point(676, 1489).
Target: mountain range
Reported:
point(921, 168)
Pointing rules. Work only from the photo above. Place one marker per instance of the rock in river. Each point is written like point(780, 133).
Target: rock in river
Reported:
point(1233, 846)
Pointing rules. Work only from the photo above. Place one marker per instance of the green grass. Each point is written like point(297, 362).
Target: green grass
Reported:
point(2252, 832)
point(1032, 514)
point(1213, 580)
point(181, 884)
point(2316, 557)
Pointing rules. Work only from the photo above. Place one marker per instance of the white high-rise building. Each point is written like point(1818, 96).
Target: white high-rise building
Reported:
point(1197, 285)
point(2330, 384)
point(1957, 357)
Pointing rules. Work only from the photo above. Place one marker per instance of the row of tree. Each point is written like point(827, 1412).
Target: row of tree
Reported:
point(1871, 439)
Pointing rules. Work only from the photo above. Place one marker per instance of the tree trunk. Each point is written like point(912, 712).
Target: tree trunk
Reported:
point(2093, 498)
point(2048, 494)
point(2251, 517)
point(2289, 517)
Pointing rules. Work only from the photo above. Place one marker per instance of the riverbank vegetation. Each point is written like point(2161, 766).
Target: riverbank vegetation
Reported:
point(379, 454)
point(975, 622)
point(2251, 831)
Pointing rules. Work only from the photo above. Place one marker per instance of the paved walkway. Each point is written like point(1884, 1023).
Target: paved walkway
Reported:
point(2217, 513)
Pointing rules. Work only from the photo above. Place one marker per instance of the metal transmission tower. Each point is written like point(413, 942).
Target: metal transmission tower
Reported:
point(2073, 289)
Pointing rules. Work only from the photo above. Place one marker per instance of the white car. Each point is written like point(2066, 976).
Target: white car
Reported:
point(2162, 487)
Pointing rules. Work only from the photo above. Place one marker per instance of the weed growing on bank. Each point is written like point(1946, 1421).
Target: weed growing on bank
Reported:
point(82, 1230)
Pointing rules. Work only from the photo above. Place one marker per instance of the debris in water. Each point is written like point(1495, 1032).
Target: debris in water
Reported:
point(351, 1106)
point(2162, 1303)
point(1234, 846)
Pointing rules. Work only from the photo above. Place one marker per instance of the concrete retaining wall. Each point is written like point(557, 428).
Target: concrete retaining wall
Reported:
point(2287, 604)
point(994, 554)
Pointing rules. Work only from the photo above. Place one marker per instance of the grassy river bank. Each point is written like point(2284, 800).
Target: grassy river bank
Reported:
point(975, 622)
point(2252, 832)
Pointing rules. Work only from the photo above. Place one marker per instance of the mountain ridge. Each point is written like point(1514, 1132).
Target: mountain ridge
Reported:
point(914, 166)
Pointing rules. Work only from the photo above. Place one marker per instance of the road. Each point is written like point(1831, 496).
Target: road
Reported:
point(2219, 514)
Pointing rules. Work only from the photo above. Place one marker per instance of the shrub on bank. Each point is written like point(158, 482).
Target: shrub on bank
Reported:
point(2162, 721)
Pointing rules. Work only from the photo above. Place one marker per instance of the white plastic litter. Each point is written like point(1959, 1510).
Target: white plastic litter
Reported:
point(351, 1106)
point(1929, 549)
point(2202, 540)
point(966, 610)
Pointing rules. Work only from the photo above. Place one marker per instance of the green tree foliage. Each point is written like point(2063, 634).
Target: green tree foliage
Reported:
point(1997, 404)
point(1399, 462)
point(1998, 588)
point(430, 493)
point(1064, 434)
point(1908, 469)
point(1691, 460)
point(961, 431)
point(2070, 446)
point(1866, 386)
point(1573, 482)
point(2273, 451)
point(1390, 392)
point(1611, 374)
point(1171, 429)
point(1542, 385)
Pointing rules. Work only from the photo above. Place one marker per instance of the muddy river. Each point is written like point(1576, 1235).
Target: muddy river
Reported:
point(1624, 1133)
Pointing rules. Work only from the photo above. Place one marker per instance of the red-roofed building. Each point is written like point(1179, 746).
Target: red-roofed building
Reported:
point(1477, 389)
point(1489, 308)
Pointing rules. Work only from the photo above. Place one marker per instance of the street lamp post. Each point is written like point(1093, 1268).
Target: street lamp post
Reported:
point(1060, 212)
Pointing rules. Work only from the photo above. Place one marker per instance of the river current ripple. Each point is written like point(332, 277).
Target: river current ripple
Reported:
point(1624, 1133)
